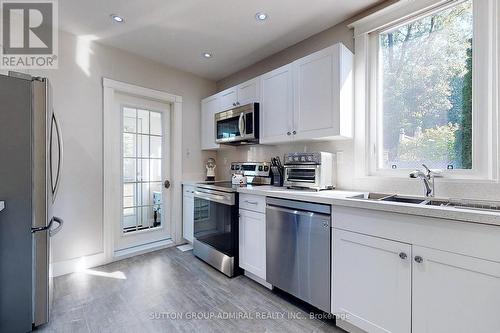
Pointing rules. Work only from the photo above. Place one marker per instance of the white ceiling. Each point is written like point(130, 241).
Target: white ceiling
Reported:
point(177, 32)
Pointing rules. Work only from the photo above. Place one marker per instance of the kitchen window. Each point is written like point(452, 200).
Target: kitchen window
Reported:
point(427, 89)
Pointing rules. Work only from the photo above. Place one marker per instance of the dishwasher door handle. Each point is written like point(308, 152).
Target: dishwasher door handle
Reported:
point(295, 211)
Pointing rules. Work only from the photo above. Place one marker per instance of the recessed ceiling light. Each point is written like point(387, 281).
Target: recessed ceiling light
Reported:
point(207, 55)
point(117, 18)
point(261, 16)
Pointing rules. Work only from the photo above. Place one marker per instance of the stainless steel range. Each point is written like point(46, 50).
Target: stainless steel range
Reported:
point(216, 217)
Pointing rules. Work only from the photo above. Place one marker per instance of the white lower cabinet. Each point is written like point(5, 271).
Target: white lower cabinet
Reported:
point(188, 213)
point(252, 242)
point(403, 273)
point(454, 293)
point(371, 282)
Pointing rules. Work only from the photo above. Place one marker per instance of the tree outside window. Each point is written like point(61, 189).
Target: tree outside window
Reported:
point(426, 91)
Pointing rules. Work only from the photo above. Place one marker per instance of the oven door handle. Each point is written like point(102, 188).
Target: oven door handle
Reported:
point(211, 197)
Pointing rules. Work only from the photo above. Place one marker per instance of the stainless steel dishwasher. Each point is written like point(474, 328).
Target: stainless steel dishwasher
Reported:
point(298, 250)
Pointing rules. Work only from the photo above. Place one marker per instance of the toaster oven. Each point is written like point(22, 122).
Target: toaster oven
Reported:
point(309, 170)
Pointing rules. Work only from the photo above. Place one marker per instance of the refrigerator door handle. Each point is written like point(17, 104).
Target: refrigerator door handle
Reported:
point(38, 229)
point(60, 223)
point(55, 183)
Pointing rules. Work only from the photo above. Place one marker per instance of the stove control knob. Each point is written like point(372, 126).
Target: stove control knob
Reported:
point(266, 168)
point(261, 168)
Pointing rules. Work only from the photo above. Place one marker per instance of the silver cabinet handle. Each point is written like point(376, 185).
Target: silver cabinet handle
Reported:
point(403, 255)
point(251, 202)
point(419, 259)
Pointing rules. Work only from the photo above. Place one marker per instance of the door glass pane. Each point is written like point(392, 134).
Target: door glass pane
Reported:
point(146, 199)
point(129, 172)
point(142, 142)
point(155, 147)
point(156, 128)
point(143, 146)
point(129, 147)
point(143, 172)
point(129, 120)
point(155, 170)
point(143, 121)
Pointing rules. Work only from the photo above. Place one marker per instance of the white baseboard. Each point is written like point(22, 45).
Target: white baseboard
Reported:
point(78, 264)
point(141, 249)
point(85, 262)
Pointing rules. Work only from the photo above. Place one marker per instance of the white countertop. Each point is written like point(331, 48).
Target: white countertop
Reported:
point(2, 205)
point(341, 198)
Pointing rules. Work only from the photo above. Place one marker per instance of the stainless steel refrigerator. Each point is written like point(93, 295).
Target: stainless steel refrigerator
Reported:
point(30, 174)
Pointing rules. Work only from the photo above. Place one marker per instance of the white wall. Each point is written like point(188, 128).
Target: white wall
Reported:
point(77, 86)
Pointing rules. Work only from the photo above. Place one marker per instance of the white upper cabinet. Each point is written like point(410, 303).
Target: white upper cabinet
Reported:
point(323, 94)
point(209, 107)
point(249, 92)
point(276, 108)
point(244, 93)
point(371, 282)
point(454, 293)
point(228, 98)
point(309, 99)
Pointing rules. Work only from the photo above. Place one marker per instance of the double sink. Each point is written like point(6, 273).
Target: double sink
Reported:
point(491, 206)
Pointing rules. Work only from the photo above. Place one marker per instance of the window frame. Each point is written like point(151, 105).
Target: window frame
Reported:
point(485, 87)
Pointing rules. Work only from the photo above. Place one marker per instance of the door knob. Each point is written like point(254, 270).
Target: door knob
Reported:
point(167, 184)
point(419, 259)
point(294, 132)
point(288, 133)
point(403, 255)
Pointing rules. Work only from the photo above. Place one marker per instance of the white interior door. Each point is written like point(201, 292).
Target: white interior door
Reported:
point(144, 195)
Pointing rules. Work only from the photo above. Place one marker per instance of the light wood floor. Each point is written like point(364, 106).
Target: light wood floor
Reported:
point(150, 293)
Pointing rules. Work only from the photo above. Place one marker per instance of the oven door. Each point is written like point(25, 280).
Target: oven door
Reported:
point(302, 175)
point(215, 220)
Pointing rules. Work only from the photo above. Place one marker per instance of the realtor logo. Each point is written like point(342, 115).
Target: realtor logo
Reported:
point(29, 34)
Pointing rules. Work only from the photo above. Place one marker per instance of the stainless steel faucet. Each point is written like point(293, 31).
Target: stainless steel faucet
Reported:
point(427, 178)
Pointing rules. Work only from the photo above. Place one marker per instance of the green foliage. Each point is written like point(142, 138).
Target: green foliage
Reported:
point(432, 145)
point(466, 128)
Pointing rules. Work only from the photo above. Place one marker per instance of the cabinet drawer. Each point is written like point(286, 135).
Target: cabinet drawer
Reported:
point(256, 203)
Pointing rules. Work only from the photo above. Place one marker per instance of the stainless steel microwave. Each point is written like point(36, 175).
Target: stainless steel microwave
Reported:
point(238, 126)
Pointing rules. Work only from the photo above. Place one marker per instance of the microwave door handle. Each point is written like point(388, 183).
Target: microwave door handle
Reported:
point(241, 124)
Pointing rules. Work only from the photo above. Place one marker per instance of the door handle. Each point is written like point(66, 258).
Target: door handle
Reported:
point(166, 183)
point(55, 183)
point(60, 223)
